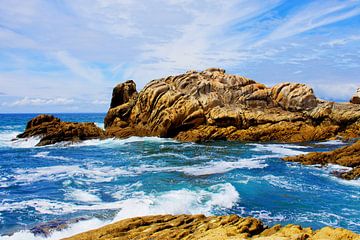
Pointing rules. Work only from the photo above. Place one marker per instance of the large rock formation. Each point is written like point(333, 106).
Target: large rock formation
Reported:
point(356, 98)
point(52, 130)
point(209, 105)
point(348, 156)
point(201, 227)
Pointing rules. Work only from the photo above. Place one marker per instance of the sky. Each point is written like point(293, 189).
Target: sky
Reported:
point(67, 55)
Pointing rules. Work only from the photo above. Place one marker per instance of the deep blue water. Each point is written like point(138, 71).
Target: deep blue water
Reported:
point(113, 179)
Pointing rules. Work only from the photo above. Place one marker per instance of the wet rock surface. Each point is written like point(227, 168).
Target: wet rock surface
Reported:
point(210, 105)
point(52, 130)
point(213, 227)
point(348, 156)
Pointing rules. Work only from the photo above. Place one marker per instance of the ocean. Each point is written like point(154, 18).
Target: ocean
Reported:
point(96, 182)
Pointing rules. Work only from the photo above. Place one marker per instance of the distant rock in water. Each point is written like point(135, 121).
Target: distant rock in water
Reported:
point(356, 98)
point(208, 228)
point(348, 156)
point(210, 105)
point(52, 130)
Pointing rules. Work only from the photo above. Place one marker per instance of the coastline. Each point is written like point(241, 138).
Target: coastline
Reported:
point(210, 228)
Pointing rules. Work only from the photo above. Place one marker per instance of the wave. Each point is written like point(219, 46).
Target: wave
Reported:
point(331, 142)
point(62, 172)
point(212, 167)
point(279, 150)
point(183, 201)
point(111, 142)
point(8, 139)
point(46, 155)
point(82, 196)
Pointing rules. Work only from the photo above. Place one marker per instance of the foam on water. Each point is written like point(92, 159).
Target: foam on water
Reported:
point(73, 229)
point(331, 142)
point(110, 142)
point(280, 150)
point(83, 196)
point(8, 139)
point(46, 156)
point(212, 167)
point(183, 201)
point(60, 172)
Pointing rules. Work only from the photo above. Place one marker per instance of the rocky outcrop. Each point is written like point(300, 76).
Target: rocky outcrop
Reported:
point(356, 98)
point(52, 130)
point(210, 105)
point(348, 156)
point(214, 227)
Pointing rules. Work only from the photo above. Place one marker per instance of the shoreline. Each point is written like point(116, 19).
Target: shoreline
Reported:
point(211, 227)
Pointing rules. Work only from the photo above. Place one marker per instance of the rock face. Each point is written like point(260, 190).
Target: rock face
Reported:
point(52, 130)
point(214, 227)
point(356, 98)
point(210, 105)
point(348, 156)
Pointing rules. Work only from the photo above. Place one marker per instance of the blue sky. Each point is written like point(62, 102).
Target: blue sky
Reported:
point(66, 55)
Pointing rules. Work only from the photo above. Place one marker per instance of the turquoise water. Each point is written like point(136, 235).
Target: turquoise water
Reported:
point(107, 180)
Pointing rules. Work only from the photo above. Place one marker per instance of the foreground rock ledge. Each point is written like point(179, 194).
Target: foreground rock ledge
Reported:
point(348, 156)
point(211, 105)
point(214, 227)
point(52, 130)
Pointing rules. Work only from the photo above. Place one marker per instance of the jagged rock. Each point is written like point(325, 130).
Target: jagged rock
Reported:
point(213, 227)
point(47, 228)
point(356, 98)
point(294, 96)
point(208, 105)
point(348, 156)
point(52, 130)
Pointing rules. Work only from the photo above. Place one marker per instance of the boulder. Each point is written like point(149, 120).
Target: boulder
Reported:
point(52, 130)
point(356, 98)
point(211, 104)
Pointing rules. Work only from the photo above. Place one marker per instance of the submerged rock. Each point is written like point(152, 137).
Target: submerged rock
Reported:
point(210, 105)
point(46, 229)
point(356, 98)
point(52, 130)
point(213, 227)
point(348, 156)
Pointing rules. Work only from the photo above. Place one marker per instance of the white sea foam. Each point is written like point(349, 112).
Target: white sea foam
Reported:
point(267, 215)
point(83, 196)
point(46, 155)
point(213, 167)
point(181, 201)
point(331, 142)
point(53, 173)
point(8, 139)
point(75, 228)
point(279, 150)
point(111, 142)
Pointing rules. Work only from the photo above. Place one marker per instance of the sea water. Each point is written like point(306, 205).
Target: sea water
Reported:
point(101, 181)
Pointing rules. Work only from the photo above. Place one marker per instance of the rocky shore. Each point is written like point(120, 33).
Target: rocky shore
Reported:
point(348, 156)
point(213, 227)
point(211, 105)
point(52, 130)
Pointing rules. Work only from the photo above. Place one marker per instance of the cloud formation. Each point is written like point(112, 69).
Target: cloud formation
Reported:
point(75, 50)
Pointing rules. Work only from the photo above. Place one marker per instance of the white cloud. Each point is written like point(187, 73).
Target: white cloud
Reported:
point(341, 41)
point(80, 50)
point(101, 102)
point(80, 69)
point(314, 15)
point(26, 101)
